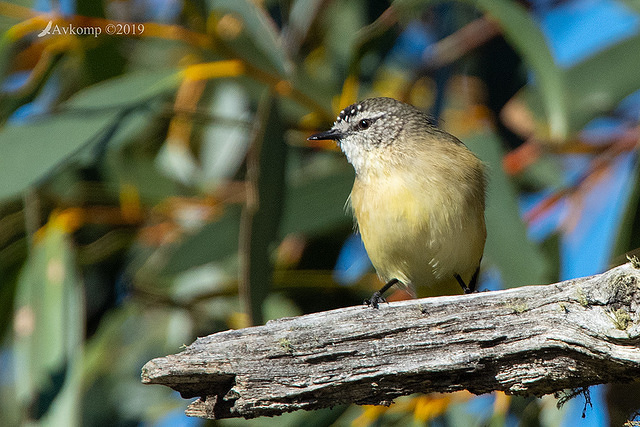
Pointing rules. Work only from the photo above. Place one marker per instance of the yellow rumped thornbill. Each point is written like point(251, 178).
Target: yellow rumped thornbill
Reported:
point(418, 197)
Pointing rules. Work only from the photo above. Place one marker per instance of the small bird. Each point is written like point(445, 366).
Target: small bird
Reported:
point(418, 197)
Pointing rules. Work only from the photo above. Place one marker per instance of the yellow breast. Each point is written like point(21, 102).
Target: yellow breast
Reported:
point(418, 231)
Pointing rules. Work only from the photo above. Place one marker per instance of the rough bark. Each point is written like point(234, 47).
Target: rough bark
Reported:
point(532, 340)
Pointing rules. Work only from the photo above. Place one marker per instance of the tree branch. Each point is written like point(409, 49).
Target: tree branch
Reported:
point(532, 340)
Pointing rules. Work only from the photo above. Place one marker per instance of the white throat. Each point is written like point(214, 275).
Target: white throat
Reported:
point(355, 154)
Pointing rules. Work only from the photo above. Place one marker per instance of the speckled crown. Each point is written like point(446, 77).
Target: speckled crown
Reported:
point(348, 112)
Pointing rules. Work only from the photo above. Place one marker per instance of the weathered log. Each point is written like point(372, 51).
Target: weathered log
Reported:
point(532, 340)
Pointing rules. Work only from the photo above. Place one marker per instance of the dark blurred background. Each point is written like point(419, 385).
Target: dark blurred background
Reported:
point(156, 184)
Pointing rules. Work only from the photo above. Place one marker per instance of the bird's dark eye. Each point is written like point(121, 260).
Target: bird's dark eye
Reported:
point(364, 124)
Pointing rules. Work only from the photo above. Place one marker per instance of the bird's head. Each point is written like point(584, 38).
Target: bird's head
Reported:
point(371, 125)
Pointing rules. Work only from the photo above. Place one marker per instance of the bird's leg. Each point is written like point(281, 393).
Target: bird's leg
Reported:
point(463, 285)
point(377, 297)
point(472, 283)
point(474, 279)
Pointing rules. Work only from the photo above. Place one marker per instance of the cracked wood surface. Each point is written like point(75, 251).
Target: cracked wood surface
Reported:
point(532, 340)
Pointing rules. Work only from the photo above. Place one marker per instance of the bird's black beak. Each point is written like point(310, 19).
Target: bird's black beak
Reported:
point(331, 134)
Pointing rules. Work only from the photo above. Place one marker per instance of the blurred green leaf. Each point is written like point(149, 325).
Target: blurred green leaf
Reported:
point(545, 172)
point(633, 4)
point(132, 334)
point(567, 99)
point(13, 251)
point(301, 16)
point(628, 236)
point(213, 242)
point(598, 84)
point(594, 86)
point(225, 140)
point(140, 170)
point(11, 101)
point(458, 415)
point(277, 306)
point(316, 204)
point(521, 30)
point(260, 28)
point(317, 418)
point(30, 152)
point(519, 260)
point(266, 165)
point(49, 332)
point(126, 90)
point(340, 22)
point(10, 258)
point(312, 205)
point(33, 150)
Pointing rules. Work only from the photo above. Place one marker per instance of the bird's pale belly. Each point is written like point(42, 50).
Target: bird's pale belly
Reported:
point(421, 240)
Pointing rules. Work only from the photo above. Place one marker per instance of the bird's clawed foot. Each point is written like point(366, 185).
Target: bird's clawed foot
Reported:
point(466, 289)
point(377, 297)
point(472, 283)
point(375, 300)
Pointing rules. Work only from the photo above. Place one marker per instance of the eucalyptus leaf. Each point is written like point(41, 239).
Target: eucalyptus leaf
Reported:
point(49, 324)
point(521, 30)
point(226, 139)
point(311, 206)
point(519, 260)
point(266, 165)
point(301, 17)
point(33, 150)
point(260, 27)
point(594, 86)
point(213, 242)
point(126, 90)
point(633, 4)
point(628, 237)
